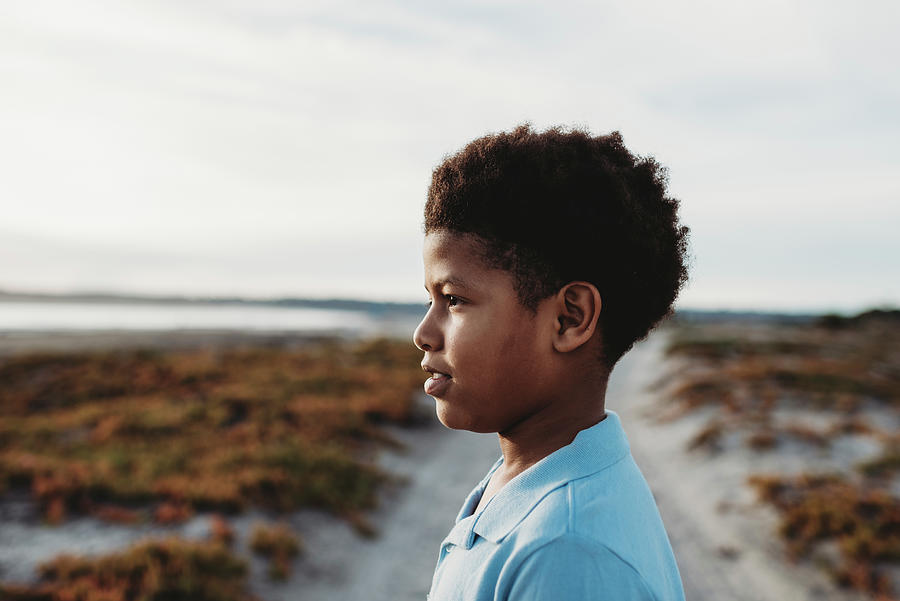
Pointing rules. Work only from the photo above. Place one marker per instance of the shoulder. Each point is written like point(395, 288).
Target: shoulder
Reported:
point(591, 506)
point(597, 537)
point(571, 566)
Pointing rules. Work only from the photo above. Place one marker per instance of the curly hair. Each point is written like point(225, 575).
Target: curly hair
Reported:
point(560, 205)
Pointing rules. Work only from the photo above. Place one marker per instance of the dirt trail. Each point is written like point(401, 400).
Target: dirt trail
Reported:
point(440, 466)
point(725, 543)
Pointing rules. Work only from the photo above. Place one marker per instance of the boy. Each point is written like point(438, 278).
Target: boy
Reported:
point(547, 255)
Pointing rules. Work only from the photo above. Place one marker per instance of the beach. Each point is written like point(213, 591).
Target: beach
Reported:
point(725, 540)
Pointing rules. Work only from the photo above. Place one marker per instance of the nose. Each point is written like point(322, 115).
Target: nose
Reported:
point(427, 336)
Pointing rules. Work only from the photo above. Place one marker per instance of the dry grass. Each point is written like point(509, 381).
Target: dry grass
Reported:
point(220, 531)
point(802, 365)
point(863, 520)
point(709, 437)
point(169, 569)
point(831, 370)
point(279, 544)
point(836, 369)
point(884, 466)
point(149, 435)
point(171, 433)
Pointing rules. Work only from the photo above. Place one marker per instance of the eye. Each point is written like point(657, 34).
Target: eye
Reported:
point(453, 301)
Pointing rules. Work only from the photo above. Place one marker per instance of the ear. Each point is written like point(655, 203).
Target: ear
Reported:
point(577, 307)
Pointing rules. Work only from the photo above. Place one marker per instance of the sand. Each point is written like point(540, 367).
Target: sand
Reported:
point(724, 542)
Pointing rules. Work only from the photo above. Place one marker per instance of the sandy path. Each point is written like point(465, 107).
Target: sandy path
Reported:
point(440, 467)
point(724, 542)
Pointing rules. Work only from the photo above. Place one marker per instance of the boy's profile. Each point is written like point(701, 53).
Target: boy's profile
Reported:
point(547, 256)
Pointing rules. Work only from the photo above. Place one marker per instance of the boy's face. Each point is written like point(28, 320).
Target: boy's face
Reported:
point(488, 353)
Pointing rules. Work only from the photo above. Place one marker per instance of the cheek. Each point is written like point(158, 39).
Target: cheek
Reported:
point(523, 355)
point(500, 350)
point(513, 356)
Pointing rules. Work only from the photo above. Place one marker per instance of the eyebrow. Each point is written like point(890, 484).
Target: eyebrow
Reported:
point(450, 281)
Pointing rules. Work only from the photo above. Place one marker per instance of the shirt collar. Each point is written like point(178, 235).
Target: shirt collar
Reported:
point(592, 450)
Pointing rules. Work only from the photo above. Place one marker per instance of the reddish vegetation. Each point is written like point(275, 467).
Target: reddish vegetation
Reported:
point(837, 369)
point(202, 430)
point(172, 512)
point(279, 544)
point(138, 435)
point(862, 519)
point(118, 515)
point(220, 530)
point(156, 569)
point(745, 374)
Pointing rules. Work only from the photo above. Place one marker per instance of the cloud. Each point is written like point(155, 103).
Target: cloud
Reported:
point(197, 128)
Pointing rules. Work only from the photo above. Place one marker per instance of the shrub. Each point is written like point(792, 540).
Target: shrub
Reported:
point(197, 430)
point(169, 569)
point(863, 520)
point(279, 544)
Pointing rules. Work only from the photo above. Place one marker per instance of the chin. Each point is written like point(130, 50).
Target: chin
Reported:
point(453, 420)
point(446, 416)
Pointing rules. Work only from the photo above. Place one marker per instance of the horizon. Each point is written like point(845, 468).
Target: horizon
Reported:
point(98, 297)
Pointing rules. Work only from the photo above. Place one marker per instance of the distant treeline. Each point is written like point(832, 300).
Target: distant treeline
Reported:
point(372, 307)
point(395, 308)
point(829, 320)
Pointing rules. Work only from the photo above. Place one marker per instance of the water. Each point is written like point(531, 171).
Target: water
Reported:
point(86, 316)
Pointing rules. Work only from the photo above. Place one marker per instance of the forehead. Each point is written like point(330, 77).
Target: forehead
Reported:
point(455, 258)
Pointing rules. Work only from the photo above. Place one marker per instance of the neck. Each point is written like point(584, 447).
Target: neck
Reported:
point(552, 428)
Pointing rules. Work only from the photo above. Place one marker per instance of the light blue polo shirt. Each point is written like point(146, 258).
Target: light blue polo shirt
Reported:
point(580, 524)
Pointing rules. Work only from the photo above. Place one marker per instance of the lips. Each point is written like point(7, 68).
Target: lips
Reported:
point(438, 383)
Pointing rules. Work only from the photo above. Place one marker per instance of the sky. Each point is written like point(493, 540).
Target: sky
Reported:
point(269, 148)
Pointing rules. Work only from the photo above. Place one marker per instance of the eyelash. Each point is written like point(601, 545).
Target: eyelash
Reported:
point(452, 300)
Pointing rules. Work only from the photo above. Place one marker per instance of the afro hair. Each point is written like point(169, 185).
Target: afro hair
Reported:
point(560, 205)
